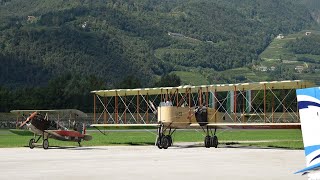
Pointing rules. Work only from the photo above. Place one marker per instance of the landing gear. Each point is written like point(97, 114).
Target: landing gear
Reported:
point(211, 141)
point(207, 141)
point(45, 144)
point(215, 141)
point(31, 143)
point(164, 141)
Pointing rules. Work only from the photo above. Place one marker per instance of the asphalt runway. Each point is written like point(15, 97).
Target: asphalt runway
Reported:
point(148, 162)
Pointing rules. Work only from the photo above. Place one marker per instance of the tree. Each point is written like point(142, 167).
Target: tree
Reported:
point(168, 80)
point(129, 82)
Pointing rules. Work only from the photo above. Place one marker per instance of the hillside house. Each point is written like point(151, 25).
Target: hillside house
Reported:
point(272, 68)
point(280, 36)
point(263, 68)
point(308, 33)
point(84, 25)
point(299, 69)
point(31, 18)
point(175, 34)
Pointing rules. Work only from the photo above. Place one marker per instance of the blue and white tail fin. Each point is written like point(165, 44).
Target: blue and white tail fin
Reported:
point(309, 110)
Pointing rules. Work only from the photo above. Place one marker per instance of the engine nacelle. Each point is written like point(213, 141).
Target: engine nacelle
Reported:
point(201, 114)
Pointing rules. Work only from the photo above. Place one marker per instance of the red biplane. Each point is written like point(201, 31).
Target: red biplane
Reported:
point(38, 122)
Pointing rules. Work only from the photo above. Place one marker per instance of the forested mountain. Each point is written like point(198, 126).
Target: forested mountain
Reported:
point(305, 45)
point(314, 7)
point(115, 39)
point(53, 53)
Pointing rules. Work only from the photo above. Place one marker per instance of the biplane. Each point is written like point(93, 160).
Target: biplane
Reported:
point(38, 122)
point(259, 105)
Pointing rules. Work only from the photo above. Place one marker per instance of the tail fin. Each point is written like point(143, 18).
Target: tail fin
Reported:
point(85, 137)
point(309, 111)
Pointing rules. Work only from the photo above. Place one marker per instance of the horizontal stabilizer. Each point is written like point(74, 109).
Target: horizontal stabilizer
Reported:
point(310, 168)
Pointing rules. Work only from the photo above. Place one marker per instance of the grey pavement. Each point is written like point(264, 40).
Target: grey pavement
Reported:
point(185, 161)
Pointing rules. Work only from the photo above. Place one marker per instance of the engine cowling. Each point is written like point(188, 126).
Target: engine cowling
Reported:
point(201, 114)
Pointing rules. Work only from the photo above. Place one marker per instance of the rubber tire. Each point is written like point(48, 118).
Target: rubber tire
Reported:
point(31, 143)
point(165, 142)
point(215, 141)
point(170, 140)
point(159, 145)
point(207, 141)
point(45, 144)
point(211, 142)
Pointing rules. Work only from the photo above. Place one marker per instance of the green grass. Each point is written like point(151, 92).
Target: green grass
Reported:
point(276, 50)
point(278, 138)
point(252, 76)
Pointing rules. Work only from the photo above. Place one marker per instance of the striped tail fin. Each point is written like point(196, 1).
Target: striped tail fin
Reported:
point(309, 111)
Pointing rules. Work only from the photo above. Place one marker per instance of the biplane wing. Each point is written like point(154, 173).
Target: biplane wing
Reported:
point(252, 125)
point(51, 111)
point(68, 135)
point(258, 105)
point(217, 125)
point(65, 133)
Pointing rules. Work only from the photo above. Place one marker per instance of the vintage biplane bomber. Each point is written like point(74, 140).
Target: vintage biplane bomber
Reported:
point(260, 105)
point(48, 124)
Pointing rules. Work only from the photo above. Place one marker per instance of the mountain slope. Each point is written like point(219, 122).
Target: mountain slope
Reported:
point(114, 39)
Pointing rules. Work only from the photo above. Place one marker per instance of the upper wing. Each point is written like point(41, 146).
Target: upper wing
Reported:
point(51, 111)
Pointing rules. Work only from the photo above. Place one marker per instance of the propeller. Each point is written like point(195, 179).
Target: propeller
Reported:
point(154, 110)
point(28, 119)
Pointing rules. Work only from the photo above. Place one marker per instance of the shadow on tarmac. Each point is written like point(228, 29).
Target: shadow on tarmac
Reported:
point(227, 146)
point(75, 148)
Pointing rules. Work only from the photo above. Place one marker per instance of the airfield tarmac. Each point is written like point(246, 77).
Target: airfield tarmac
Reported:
point(185, 161)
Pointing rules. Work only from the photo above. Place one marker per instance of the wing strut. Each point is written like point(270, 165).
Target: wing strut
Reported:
point(100, 130)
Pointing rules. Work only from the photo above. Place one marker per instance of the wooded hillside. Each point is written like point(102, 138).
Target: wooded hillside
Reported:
point(53, 53)
point(112, 39)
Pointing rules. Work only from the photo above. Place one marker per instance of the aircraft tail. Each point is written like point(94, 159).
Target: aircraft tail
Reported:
point(309, 111)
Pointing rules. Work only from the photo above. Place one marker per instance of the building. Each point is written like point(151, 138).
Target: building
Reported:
point(31, 18)
point(272, 68)
point(308, 33)
point(299, 69)
point(280, 36)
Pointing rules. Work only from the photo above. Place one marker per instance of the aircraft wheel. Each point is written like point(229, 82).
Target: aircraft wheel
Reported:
point(45, 144)
point(207, 141)
point(165, 141)
point(170, 139)
point(159, 143)
point(215, 141)
point(31, 143)
point(211, 144)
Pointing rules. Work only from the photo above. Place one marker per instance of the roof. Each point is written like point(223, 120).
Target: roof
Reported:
point(295, 84)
